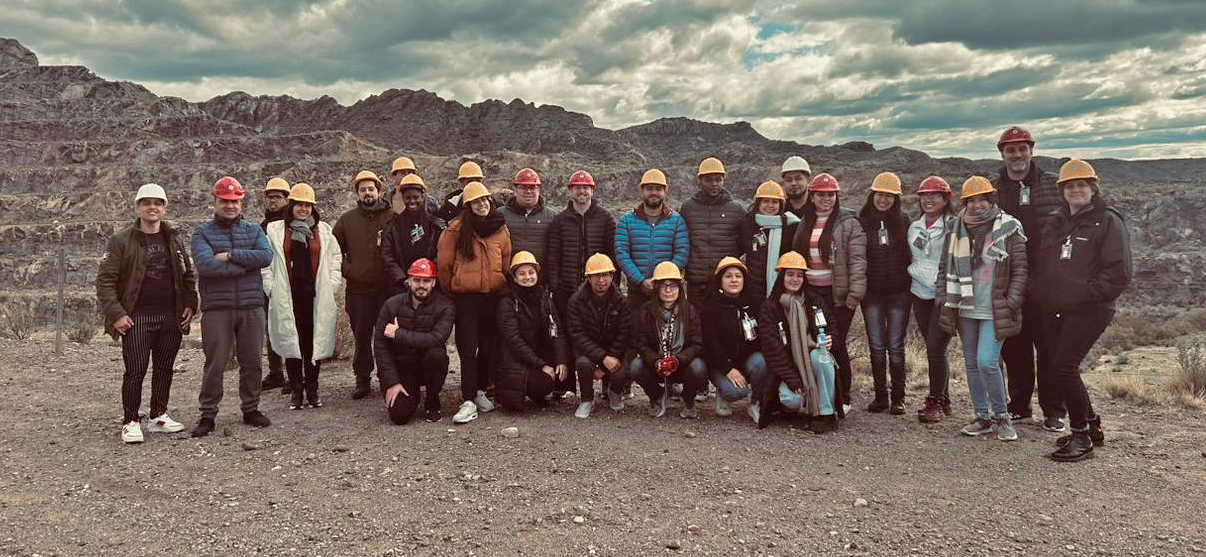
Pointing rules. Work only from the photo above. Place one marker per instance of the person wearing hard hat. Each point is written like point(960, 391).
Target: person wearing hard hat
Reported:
point(527, 217)
point(469, 171)
point(796, 175)
point(1083, 266)
point(146, 288)
point(412, 233)
point(763, 235)
point(981, 287)
point(359, 232)
point(649, 234)
point(301, 284)
point(835, 245)
point(730, 332)
point(599, 321)
point(399, 169)
point(534, 354)
point(584, 228)
point(712, 217)
point(276, 194)
point(228, 253)
point(886, 305)
point(668, 337)
point(408, 343)
point(795, 335)
point(1030, 194)
point(926, 237)
point(474, 256)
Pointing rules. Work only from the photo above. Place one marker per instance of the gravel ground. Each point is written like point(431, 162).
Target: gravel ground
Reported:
point(342, 480)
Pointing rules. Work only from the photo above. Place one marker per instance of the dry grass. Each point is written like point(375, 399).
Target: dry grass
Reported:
point(1129, 387)
point(82, 328)
point(19, 321)
point(1191, 359)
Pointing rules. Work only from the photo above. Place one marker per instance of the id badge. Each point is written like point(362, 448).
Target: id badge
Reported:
point(416, 233)
point(759, 240)
point(1065, 251)
point(1024, 192)
point(379, 239)
point(883, 236)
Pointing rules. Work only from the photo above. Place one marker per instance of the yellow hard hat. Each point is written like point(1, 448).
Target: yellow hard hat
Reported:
point(402, 163)
point(655, 177)
point(976, 185)
point(277, 184)
point(730, 261)
point(1076, 169)
point(366, 175)
point(302, 192)
point(523, 258)
point(711, 165)
point(412, 181)
point(886, 182)
point(791, 260)
point(599, 264)
point(667, 270)
point(473, 191)
point(770, 189)
point(470, 170)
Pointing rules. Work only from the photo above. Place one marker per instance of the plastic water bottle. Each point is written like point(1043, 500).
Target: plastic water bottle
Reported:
point(819, 320)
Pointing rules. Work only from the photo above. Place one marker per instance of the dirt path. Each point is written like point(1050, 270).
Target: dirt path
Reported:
point(342, 481)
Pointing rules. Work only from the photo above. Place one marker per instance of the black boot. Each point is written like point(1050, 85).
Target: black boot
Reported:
point(898, 405)
point(1095, 433)
point(1078, 448)
point(273, 380)
point(879, 404)
point(363, 388)
point(299, 400)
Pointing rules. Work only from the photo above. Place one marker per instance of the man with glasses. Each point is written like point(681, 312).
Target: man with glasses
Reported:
point(276, 195)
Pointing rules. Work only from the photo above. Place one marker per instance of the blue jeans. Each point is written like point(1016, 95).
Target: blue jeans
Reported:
point(982, 358)
point(824, 374)
point(887, 319)
point(753, 371)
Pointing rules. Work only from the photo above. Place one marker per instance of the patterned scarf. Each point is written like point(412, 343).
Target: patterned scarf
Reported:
point(962, 248)
point(796, 309)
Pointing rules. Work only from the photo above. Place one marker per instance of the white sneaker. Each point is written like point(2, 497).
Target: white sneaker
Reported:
point(754, 412)
point(584, 410)
point(164, 424)
point(847, 409)
point(467, 413)
point(131, 432)
point(615, 400)
point(722, 407)
point(483, 402)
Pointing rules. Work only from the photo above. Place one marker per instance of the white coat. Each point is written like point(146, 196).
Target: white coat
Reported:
point(282, 328)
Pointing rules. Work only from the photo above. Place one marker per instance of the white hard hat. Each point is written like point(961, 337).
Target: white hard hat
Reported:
point(795, 163)
point(152, 191)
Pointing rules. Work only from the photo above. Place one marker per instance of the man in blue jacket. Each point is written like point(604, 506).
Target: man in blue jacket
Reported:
point(648, 235)
point(228, 253)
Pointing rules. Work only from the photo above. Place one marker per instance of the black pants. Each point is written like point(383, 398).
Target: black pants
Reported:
point(936, 341)
point(152, 338)
point(585, 370)
point(1020, 353)
point(362, 316)
point(538, 386)
point(842, 317)
point(303, 372)
point(1072, 335)
point(561, 301)
point(476, 340)
point(429, 370)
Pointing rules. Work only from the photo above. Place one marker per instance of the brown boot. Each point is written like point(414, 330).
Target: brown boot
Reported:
point(932, 411)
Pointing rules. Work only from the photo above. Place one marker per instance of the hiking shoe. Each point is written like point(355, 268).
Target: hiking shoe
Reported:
point(615, 400)
point(315, 402)
point(1005, 431)
point(657, 408)
point(584, 410)
point(1095, 434)
point(754, 412)
point(1055, 425)
point(722, 407)
point(1020, 418)
point(273, 380)
point(256, 418)
point(946, 407)
point(432, 415)
point(1078, 448)
point(132, 432)
point(676, 391)
point(898, 407)
point(483, 402)
point(688, 412)
point(164, 424)
point(977, 427)
point(205, 426)
point(879, 404)
point(821, 425)
point(467, 413)
point(362, 390)
point(931, 412)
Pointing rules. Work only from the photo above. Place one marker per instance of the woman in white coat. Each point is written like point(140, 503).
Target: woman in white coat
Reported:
point(301, 283)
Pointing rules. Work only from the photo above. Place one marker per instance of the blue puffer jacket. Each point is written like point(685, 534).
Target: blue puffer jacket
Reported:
point(640, 246)
point(233, 284)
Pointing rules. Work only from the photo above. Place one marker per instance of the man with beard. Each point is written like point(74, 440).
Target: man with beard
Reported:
point(411, 235)
point(796, 175)
point(409, 337)
point(359, 233)
point(1029, 194)
point(647, 235)
point(276, 194)
point(712, 216)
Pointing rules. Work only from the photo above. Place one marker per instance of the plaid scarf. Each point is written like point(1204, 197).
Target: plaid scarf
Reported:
point(962, 247)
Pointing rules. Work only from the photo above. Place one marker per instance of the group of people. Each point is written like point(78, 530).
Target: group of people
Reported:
point(757, 301)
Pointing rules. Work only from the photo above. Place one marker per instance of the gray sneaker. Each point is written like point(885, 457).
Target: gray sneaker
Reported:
point(977, 427)
point(615, 400)
point(657, 408)
point(584, 409)
point(754, 412)
point(1005, 431)
point(688, 412)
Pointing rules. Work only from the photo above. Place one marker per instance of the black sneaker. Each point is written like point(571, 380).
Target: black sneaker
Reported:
point(298, 400)
point(1020, 418)
point(898, 407)
point(1078, 448)
point(256, 418)
point(432, 415)
point(362, 390)
point(879, 404)
point(272, 380)
point(1055, 425)
point(205, 426)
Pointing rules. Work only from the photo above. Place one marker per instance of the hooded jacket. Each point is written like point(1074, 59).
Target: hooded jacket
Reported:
point(359, 232)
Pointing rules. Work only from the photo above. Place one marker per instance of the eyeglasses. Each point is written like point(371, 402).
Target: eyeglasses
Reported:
point(274, 197)
point(670, 285)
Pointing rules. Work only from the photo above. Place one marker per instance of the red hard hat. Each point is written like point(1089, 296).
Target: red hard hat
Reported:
point(934, 184)
point(422, 268)
point(824, 182)
point(228, 188)
point(1015, 134)
point(581, 178)
point(527, 177)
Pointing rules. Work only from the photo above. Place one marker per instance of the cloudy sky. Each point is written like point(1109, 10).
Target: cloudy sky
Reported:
point(1122, 78)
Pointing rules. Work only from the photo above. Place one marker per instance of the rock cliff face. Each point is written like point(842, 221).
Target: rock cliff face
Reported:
point(74, 147)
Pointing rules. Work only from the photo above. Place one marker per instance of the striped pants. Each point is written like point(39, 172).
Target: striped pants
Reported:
point(156, 336)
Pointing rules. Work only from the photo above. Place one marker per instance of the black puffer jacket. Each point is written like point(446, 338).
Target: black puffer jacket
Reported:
point(647, 336)
point(887, 265)
point(756, 256)
point(1099, 268)
point(1045, 200)
point(526, 343)
point(572, 239)
point(529, 229)
point(398, 250)
point(270, 216)
point(419, 329)
point(725, 345)
point(598, 327)
point(712, 227)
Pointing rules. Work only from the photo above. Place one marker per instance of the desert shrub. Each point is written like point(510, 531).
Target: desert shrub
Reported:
point(82, 328)
point(1127, 387)
point(19, 321)
point(1191, 375)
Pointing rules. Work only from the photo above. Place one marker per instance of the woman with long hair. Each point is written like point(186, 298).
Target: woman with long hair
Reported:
point(668, 339)
point(766, 232)
point(533, 353)
point(926, 237)
point(730, 331)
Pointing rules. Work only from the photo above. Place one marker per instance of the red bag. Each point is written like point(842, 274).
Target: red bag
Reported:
point(667, 366)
